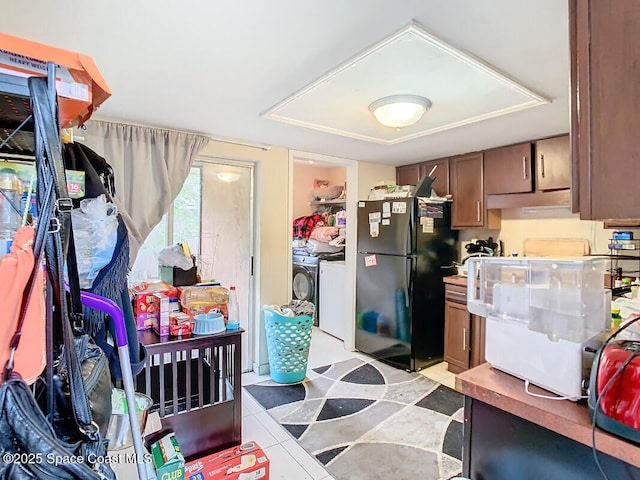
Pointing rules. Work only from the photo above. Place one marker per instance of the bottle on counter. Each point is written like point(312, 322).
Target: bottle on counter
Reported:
point(616, 319)
point(233, 311)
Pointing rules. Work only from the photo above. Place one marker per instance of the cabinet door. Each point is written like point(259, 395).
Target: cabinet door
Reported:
point(441, 174)
point(467, 191)
point(553, 163)
point(605, 67)
point(456, 336)
point(508, 169)
point(408, 174)
point(477, 341)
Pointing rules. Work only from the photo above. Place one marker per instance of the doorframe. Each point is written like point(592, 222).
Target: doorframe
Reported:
point(253, 326)
point(351, 240)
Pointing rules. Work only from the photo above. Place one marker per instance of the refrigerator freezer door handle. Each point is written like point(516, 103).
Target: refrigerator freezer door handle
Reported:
point(408, 269)
point(409, 243)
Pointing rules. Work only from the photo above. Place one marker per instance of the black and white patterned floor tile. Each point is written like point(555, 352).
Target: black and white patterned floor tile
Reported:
point(366, 420)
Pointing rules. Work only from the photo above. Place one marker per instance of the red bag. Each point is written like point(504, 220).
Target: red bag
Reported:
point(15, 270)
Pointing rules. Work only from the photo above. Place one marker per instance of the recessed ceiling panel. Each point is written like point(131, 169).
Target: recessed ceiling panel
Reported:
point(462, 90)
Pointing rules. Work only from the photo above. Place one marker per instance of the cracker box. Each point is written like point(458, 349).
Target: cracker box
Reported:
point(167, 457)
point(146, 305)
point(145, 309)
point(243, 462)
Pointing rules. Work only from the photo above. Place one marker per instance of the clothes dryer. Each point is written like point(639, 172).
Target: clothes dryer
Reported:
point(305, 281)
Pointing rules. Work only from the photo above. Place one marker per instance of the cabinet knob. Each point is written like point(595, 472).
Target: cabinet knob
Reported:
point(542, 165)
point(524, 167)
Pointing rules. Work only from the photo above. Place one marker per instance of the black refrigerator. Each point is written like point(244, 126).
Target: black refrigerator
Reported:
point(405, 248)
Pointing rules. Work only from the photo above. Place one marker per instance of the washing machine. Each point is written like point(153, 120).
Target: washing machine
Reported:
point(305, 280)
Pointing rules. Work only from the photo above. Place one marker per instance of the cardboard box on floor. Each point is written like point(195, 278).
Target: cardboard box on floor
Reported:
point(167, 457)
point(243, 462)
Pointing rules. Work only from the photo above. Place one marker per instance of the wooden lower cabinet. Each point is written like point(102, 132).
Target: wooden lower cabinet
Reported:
point(464, 333)
point(457, 325)
point(478, 340)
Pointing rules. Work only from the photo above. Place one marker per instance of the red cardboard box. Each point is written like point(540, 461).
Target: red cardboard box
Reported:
point(243, 462)
point(161, 317)
point(146, 305)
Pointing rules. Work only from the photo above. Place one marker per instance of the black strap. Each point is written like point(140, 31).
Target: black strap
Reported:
point(52, 169)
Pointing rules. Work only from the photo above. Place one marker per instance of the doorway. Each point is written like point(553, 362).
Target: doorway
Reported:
point(336, 170)
point(226, 250)
point(213, 214)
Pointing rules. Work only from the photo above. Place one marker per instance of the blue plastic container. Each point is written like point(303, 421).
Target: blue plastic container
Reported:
point(288, 342)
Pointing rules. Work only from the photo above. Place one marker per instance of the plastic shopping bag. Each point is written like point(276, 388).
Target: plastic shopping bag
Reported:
point(95, 232)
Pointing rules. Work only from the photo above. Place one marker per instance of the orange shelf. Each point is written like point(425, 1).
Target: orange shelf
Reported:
point(80, 86)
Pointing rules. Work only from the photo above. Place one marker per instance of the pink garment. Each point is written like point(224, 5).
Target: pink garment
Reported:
point(15, 270)
point(324, 234)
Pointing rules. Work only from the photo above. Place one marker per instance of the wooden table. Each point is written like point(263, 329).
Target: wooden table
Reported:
point(509, 434)
point(196, 386)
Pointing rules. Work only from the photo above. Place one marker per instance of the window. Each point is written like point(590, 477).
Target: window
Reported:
point(185, 220)
point(214, 214)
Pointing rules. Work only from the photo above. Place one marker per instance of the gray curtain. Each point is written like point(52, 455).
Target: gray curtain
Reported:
point(150, 165)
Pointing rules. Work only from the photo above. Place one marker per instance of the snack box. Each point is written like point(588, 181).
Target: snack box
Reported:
point(184, 330)
point(167, 457)
point(161, 320)
point(242, 462)
point(179, 318)
point(146, 305)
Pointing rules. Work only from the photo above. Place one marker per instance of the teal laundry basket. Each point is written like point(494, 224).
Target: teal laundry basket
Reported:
point(288, 342)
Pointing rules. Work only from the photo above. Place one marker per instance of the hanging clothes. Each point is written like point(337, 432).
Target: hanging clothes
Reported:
point(303, 226)
point(111, 282)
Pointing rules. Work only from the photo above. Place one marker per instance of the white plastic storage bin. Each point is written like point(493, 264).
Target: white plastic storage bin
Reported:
point(559, 297)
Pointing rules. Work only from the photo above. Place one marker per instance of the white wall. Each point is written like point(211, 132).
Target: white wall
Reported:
point(369, 174)
point(304, 175)
point(519, 224)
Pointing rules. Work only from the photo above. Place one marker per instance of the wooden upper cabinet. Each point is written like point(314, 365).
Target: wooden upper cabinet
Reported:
point(467, 189)
point(553, 163)
point(408, 174)
point(605, 68)
point(441, 174)
point(508, 169)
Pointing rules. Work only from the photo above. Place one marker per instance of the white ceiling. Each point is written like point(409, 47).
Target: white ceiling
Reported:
point(218, 67)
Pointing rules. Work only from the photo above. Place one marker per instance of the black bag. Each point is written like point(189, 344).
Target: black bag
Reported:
point(29, 447)
point(93, 363)
point(97, 383)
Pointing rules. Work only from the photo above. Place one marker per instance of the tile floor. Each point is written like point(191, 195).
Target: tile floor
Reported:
point(288, 459)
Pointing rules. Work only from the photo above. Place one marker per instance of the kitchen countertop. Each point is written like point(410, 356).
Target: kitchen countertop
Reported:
point(570, 419)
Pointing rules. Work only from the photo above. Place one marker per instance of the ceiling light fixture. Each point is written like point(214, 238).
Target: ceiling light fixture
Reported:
point(228, 176)
point(399, 111)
